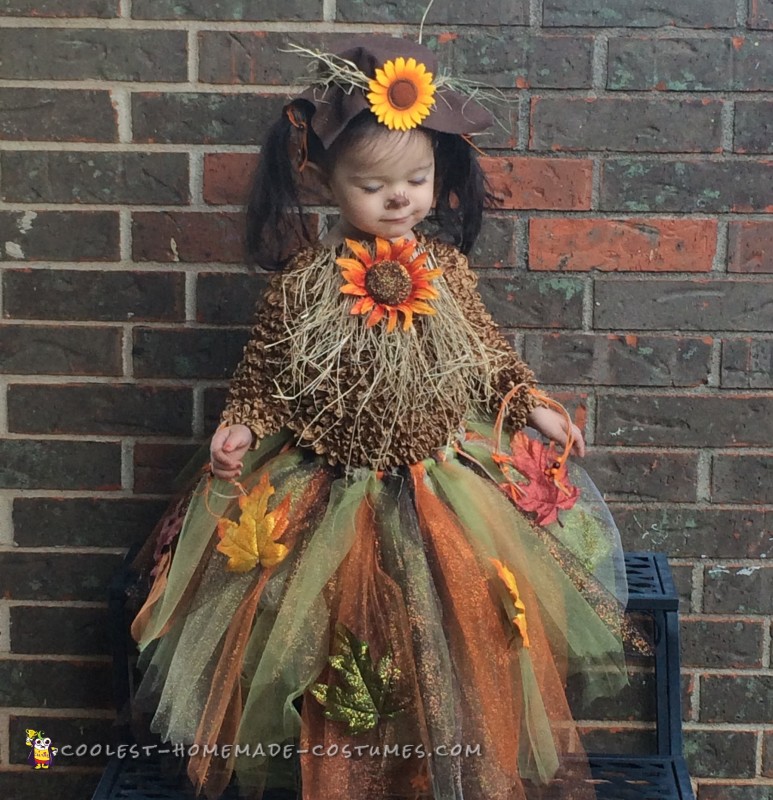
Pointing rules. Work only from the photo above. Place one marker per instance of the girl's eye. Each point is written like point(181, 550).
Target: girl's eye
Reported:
point(418, 181)
point(370, 189)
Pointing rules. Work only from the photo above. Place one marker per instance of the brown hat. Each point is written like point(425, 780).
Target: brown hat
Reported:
point(407, 78)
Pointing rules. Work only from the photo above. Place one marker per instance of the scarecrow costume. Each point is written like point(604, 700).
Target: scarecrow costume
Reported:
point(402, 582)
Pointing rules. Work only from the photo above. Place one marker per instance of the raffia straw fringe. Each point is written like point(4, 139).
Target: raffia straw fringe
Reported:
point(438, 367)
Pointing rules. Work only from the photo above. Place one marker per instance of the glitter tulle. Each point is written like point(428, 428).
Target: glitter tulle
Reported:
point(379, 659)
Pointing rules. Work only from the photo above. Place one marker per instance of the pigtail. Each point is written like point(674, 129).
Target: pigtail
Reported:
point(461, 193)
point(276, 222)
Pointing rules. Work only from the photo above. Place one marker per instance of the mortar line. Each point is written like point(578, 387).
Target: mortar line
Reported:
point(588, 303)
point(329, 10)
point(595, 191)
point(125, 235)
point(122, 103)
point(721, 253)
point(715, 363)
point(758, 753)
point(127, 464)
point(696, 595)
point(727, 123)
point(5, 736)
point(703, 477)
point(190, 297)
point(535, 14)
point(521, 243)
point(741, 12)
point(6, 520)
point(599, 61)
point(695, 699)
point(193, 56)
point(127, 360)
point(196, 179)
point(197, 412)
point(4, 405)
point(523, 127)
point(5, 627)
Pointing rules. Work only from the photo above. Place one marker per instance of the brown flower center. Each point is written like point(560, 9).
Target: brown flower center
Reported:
point(402, 94)
point(388, 283)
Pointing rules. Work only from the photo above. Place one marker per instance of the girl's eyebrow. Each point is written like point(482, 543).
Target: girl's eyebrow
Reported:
point(374, 176)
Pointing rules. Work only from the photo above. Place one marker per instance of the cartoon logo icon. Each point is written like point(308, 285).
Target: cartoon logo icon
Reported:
point(42, 754)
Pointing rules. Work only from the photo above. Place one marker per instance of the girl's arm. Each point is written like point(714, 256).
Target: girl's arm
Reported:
point(552, 425)
point(252, 411)
point(227, 449)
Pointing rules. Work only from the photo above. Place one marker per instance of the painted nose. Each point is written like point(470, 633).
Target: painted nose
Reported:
point(398, 201)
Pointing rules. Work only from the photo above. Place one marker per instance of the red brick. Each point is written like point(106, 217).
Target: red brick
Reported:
point(188, 236)
point(761, 17)
point(157, 465)
point(227, 177)
point(750, 246)
point(767, 754)
point(542, 183)
point(638, 124)
point(624, 245)
point(59, 8)
point(259, 57)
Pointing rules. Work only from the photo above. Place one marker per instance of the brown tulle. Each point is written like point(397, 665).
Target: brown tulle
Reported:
point(156, 592)
point(220, 719)
point(491, 709)
point(370, 604)
point(487, 657)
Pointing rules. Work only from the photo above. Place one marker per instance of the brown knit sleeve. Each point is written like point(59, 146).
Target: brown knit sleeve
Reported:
point(462, 281)
point(251, 399)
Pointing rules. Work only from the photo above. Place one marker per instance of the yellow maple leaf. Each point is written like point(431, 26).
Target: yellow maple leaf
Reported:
point(519, 620)
point(253, 539)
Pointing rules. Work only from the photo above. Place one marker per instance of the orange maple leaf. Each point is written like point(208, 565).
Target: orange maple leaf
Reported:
point(253, 539)
point(548, 488)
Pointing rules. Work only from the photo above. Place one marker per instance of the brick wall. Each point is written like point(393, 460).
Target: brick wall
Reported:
point(632, 259)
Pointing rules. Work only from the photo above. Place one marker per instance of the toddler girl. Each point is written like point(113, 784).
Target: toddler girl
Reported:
point(383, 586)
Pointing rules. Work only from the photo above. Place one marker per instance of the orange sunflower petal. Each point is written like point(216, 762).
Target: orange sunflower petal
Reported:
point(418, 262)
point(360, 251)
point(357, 291)
point(363, 305)
point(408, 317)
point(383, 249)
point(420, 307)
point(392, 320)
point(351, 264)
point(376, 316)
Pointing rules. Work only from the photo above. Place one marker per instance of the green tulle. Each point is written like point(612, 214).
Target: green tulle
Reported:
point(487, 516)
point(296, 649)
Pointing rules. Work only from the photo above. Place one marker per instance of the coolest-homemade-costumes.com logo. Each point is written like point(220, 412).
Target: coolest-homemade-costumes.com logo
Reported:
point(42, 754)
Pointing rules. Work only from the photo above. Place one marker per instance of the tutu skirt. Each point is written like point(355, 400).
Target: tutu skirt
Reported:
point(373, 635)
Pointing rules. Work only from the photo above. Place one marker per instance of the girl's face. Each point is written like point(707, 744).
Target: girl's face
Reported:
point(384, 185)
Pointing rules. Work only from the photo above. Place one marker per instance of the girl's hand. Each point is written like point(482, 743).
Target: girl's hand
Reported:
point(227, 449)
point(553, 425)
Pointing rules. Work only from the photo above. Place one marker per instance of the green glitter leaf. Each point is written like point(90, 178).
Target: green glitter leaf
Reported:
point(367, 692)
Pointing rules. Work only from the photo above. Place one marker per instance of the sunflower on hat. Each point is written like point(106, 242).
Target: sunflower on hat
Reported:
point(401, 95)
